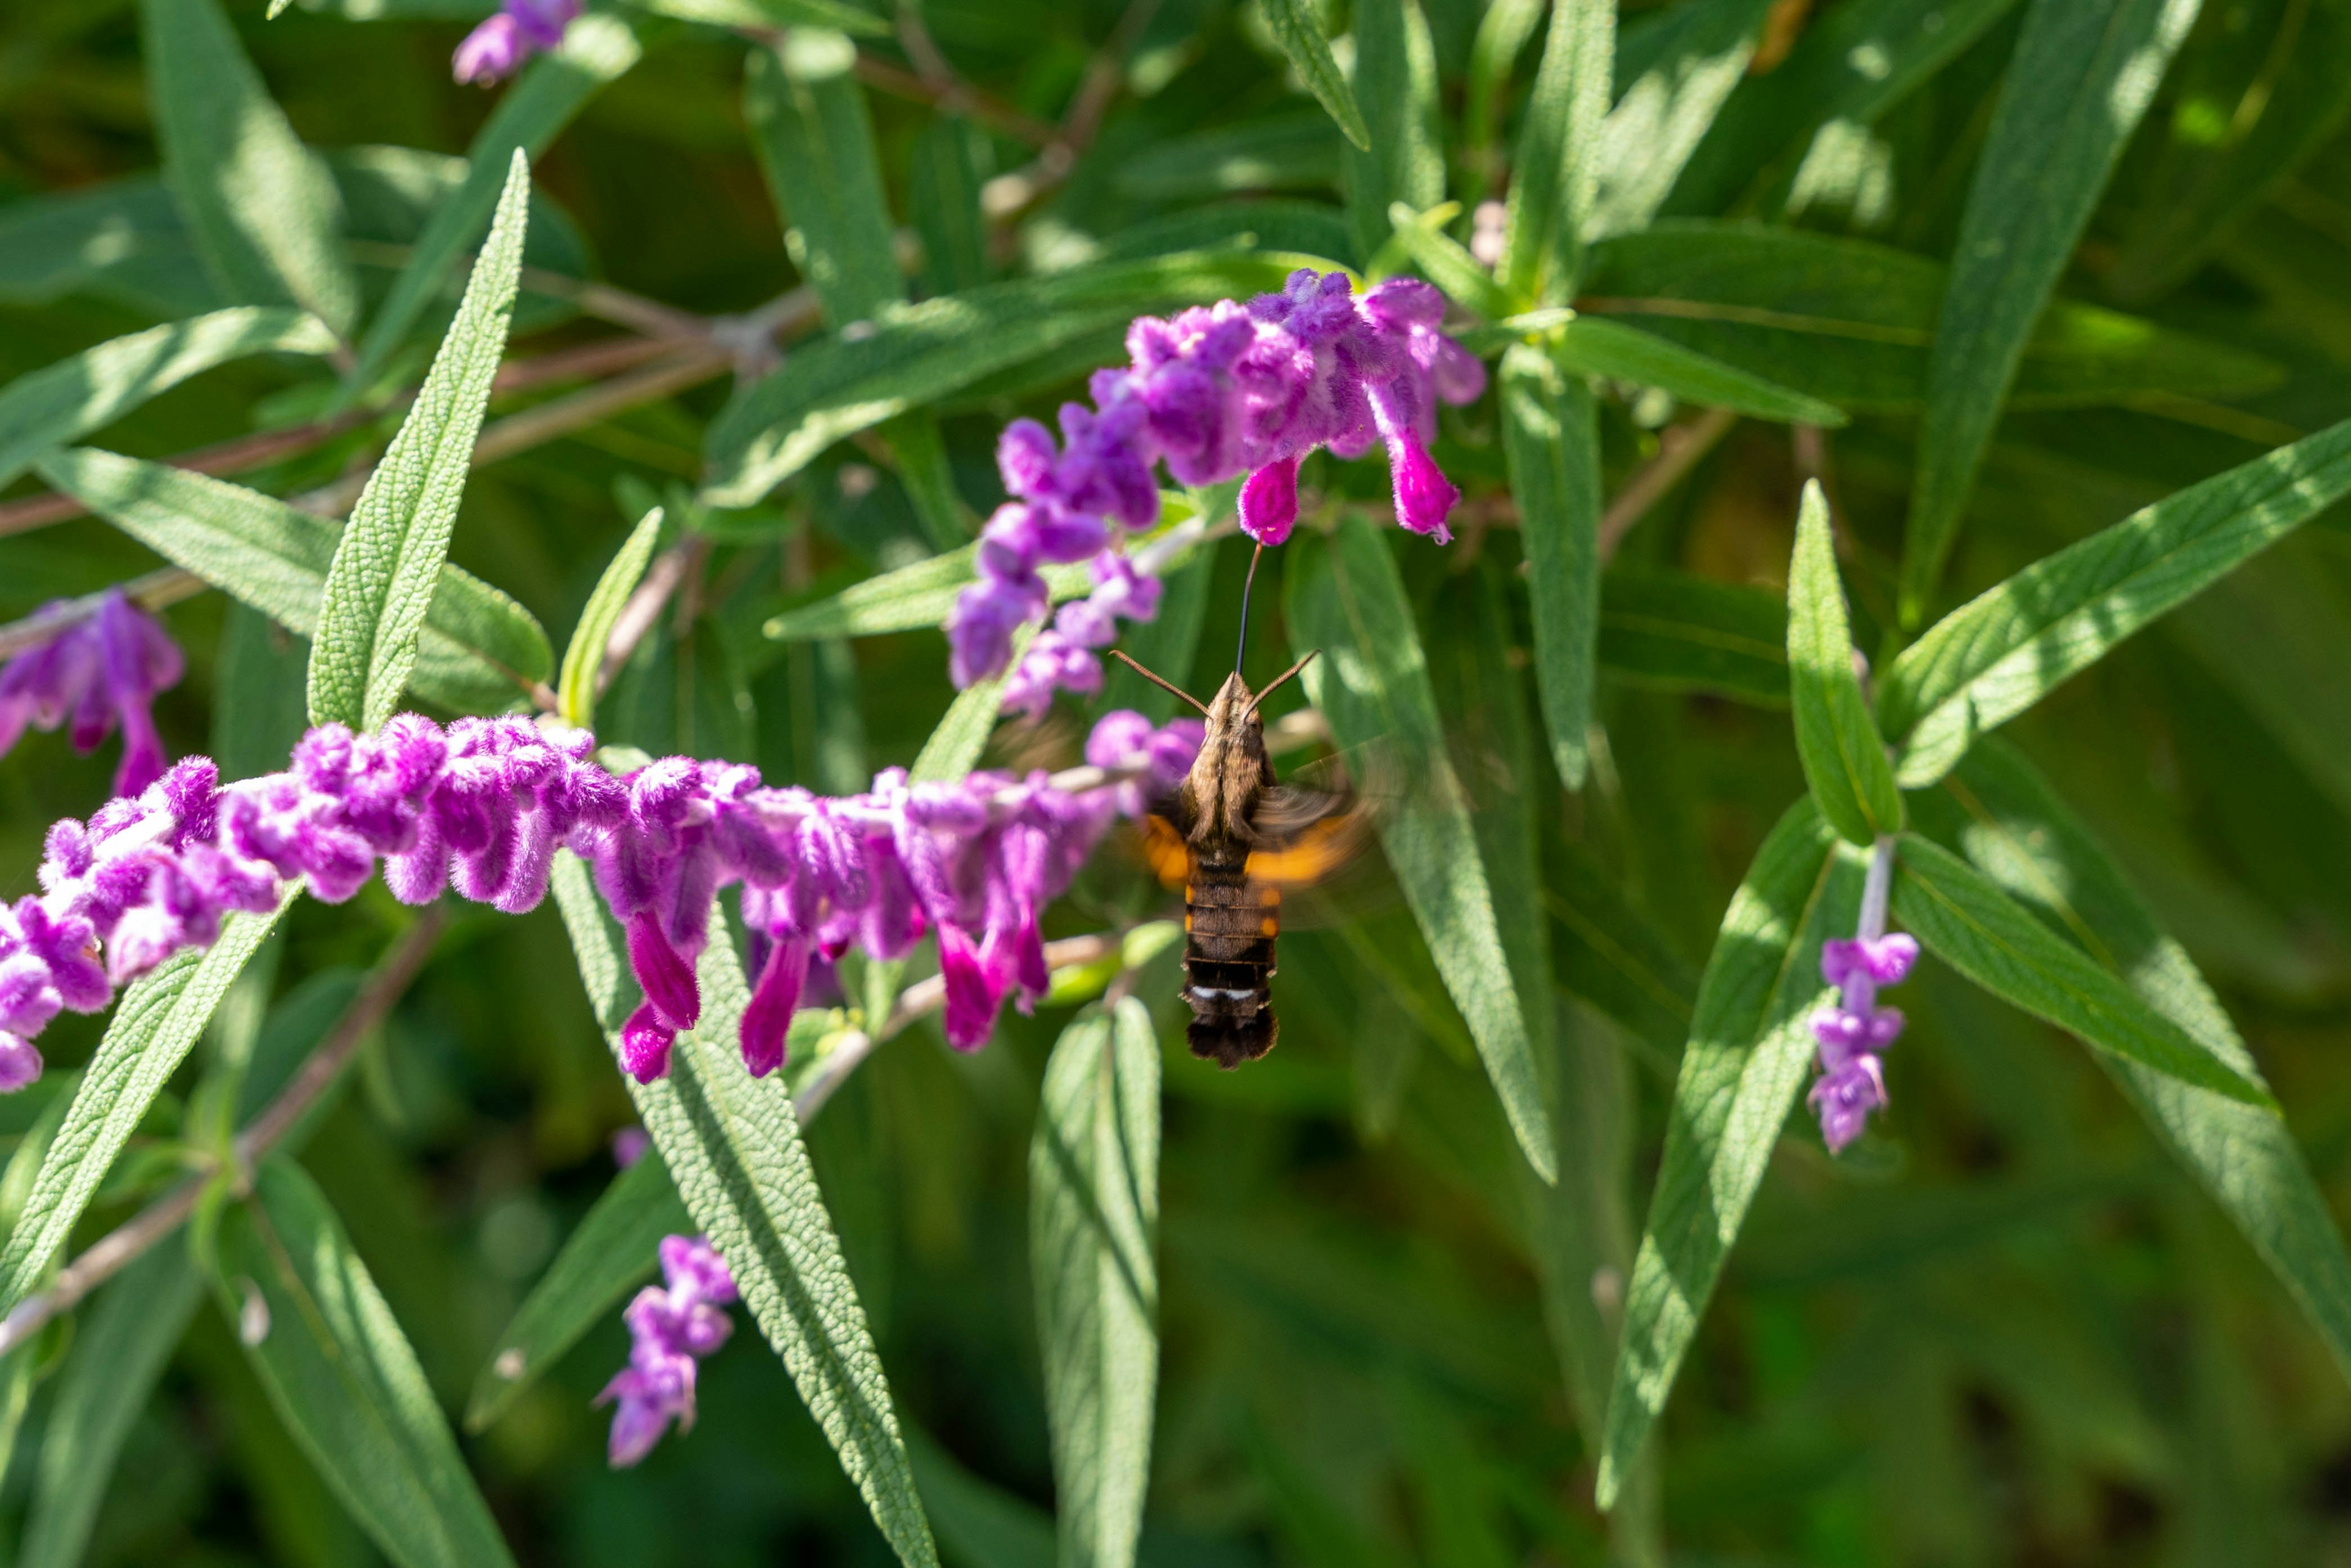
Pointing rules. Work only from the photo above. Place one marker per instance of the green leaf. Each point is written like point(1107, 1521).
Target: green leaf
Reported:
point(2011, 826)
point(262, 208)
point(815, 141)
point(1844, 756)
point(584, 659)
point(1557, 175)
point(768, 13)
point(952, 163)
point(1965, 919)
point(1998, 654)
point(1674, 74)
point(1683, 633)
point(597, 50)
point(733, 1146)
point(46, 409)
point(1551, 437)
point(1297, 26)
point(916, 354)
point(118, 1355)
point(478, 650)
point(387, 566)
point(914, 597)
point(1278, 152)
point(342, 1376)
point(614, 1248)
point(1445, 261)
point(2083, 74)
point(1610, 954)
point(158, 1018)
point(1852, 322)
point(1372, 684)
point(1396, 73)
point(1595, 346)
point(1750, 1045)
point(953, 747)
point(1094, 1222)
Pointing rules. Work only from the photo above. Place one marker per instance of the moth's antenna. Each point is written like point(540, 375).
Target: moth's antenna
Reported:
point(1275, 684)
point(1166, 685)
point(1246, 583)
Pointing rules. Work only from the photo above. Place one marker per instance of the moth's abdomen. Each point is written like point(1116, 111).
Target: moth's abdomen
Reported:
point(1229, 926)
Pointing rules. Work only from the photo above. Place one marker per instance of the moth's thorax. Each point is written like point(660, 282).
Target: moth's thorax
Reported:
point(1230, 770)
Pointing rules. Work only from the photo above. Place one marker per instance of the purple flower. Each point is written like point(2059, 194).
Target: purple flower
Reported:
point(1855, 1034)
point(496, 49)
point(103, 670)
point(671, 1329)
point(1218, 392)
point(482, 805)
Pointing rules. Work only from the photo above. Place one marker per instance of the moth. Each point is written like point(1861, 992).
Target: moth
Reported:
point(1236, 836)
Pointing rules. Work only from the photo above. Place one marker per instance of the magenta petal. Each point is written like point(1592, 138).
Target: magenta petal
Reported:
point(1424, 496)
point(1268, 503)
point(971, 997)
point(645, 1042)
point(667, 979)
point(769, 1017)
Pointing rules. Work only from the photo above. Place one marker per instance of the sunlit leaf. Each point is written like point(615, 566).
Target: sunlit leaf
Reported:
point(1551, 438)
point(1843, 756)
point(583, 657)
point(1298, 27)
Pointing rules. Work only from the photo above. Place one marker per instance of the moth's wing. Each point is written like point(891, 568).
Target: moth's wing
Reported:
point(1165, 851)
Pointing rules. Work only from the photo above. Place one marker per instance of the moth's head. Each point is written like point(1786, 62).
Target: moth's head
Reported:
point(1230, 714)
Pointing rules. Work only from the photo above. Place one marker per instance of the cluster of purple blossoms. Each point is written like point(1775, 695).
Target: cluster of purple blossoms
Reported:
point(670, 1329)
point(103, 670)
point(1856, 1031)
point(484, 804)
point(1218, 392)
point(521, 28)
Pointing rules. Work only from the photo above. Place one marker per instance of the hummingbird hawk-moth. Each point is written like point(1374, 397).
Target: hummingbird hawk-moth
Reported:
point(1235, 836)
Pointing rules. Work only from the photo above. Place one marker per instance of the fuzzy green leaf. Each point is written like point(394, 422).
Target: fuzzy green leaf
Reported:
point(1966, 920)
point(1674, 73)
point(1596, 346)
point(262, 210)
point(343, 1378)
point(1372, 684)
point(1750, 1045)
point(2000, 653)
point(1094, 1221)
point(1395, 82)
point(1551, 437)
point(583, 658)
point(2083, 74)
point(157, 1019)
point(733, 1145)
point(62, 402)
point(1298, 27)
point(1843, 757)
point(387, 568)
point(611, 1252)
point(1557, 173)
point(118, 1355)
point(478, 650)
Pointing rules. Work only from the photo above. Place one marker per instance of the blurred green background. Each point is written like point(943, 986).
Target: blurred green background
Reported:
point(2005, 1329)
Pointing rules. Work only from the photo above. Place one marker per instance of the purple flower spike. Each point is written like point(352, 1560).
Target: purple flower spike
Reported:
point(1217, 392)
point(671, 1328)
point(1855, 1034)
point(100, 672)
point(496, 49)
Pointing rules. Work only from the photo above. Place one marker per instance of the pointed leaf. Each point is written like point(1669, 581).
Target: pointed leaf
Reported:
point(583, 658)
point(1094, 1222)
point(1395, 82)
point(1551, 437)
point(733, 1146)
point(914, 596)
point(1556, 178)
point(478, 650)
point(2003, 816)
point(2000, 653)
point(2083, 74)
point(1595, 346)
point(119, 1353)
point(597, 50)
point(614, 1251)
point(387, 566)
point(1372, 684)
point(1674, 74)
point(47, 408)
point(343, 1378)
point(157, 1019)
point(1845, 759)
point(261, 207)
point(815, 141)
point(1963, 918)
point(1297, 26)
point(1750, 1045)
point(1446, 263)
